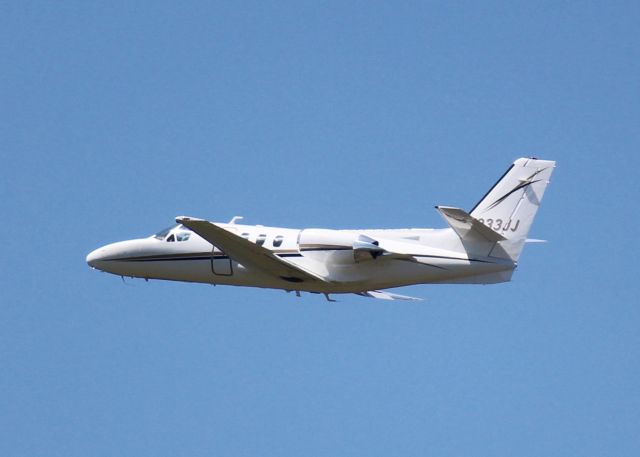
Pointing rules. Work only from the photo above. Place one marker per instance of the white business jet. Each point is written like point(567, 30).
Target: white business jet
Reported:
point(479, 247)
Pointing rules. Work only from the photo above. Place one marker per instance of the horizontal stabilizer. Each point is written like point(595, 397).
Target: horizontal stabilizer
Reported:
point(466, 226)
point(387, 296)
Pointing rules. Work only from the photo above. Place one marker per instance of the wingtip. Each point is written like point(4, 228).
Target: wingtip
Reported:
point(381, 295)
point(183, 219)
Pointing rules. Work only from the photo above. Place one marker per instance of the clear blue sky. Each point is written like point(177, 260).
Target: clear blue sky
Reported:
point(118, 116)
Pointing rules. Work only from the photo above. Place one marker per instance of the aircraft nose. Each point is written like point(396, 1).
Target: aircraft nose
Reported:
point(95, 256)
point(111, 258)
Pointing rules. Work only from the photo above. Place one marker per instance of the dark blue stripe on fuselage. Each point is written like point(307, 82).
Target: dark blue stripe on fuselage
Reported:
point(182, 257)
point(167, 259)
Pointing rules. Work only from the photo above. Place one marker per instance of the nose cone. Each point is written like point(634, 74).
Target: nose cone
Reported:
point(120, 258)
point(105, 257)
point(94, 257)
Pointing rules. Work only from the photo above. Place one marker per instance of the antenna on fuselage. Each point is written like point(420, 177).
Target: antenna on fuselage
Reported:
point(234, 219)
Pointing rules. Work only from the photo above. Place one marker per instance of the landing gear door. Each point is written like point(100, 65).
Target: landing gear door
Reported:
point(220, 263)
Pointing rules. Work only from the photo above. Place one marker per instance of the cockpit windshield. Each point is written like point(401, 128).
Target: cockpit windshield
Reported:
point(180, 233)
point(163, 233)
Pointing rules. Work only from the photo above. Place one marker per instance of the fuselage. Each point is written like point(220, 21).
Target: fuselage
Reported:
point(431, 256)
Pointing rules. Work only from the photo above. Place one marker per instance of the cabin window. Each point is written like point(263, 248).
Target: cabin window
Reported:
point(171, 238)
point(277, 241)
point(182, 236)
point(261, 239)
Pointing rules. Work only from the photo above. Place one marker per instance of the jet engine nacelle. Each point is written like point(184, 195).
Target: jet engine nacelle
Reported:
point(366, 248)
point(338, 246)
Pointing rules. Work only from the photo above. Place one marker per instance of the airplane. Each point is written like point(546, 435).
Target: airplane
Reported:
point(481, 246)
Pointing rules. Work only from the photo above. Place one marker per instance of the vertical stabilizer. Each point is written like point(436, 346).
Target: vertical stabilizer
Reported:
point(511, 204)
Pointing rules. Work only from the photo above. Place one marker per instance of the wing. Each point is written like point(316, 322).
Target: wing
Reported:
point(247, 253)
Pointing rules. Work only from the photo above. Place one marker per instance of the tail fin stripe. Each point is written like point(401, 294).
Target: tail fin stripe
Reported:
point(515, 189)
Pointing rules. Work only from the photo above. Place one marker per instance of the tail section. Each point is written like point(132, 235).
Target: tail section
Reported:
point(512, 203)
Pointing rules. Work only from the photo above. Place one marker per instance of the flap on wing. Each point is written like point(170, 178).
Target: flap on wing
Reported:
point(466, 226)
point(247, 253)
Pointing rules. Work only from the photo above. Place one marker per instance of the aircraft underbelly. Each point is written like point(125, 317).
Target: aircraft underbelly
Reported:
point(395, 273)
